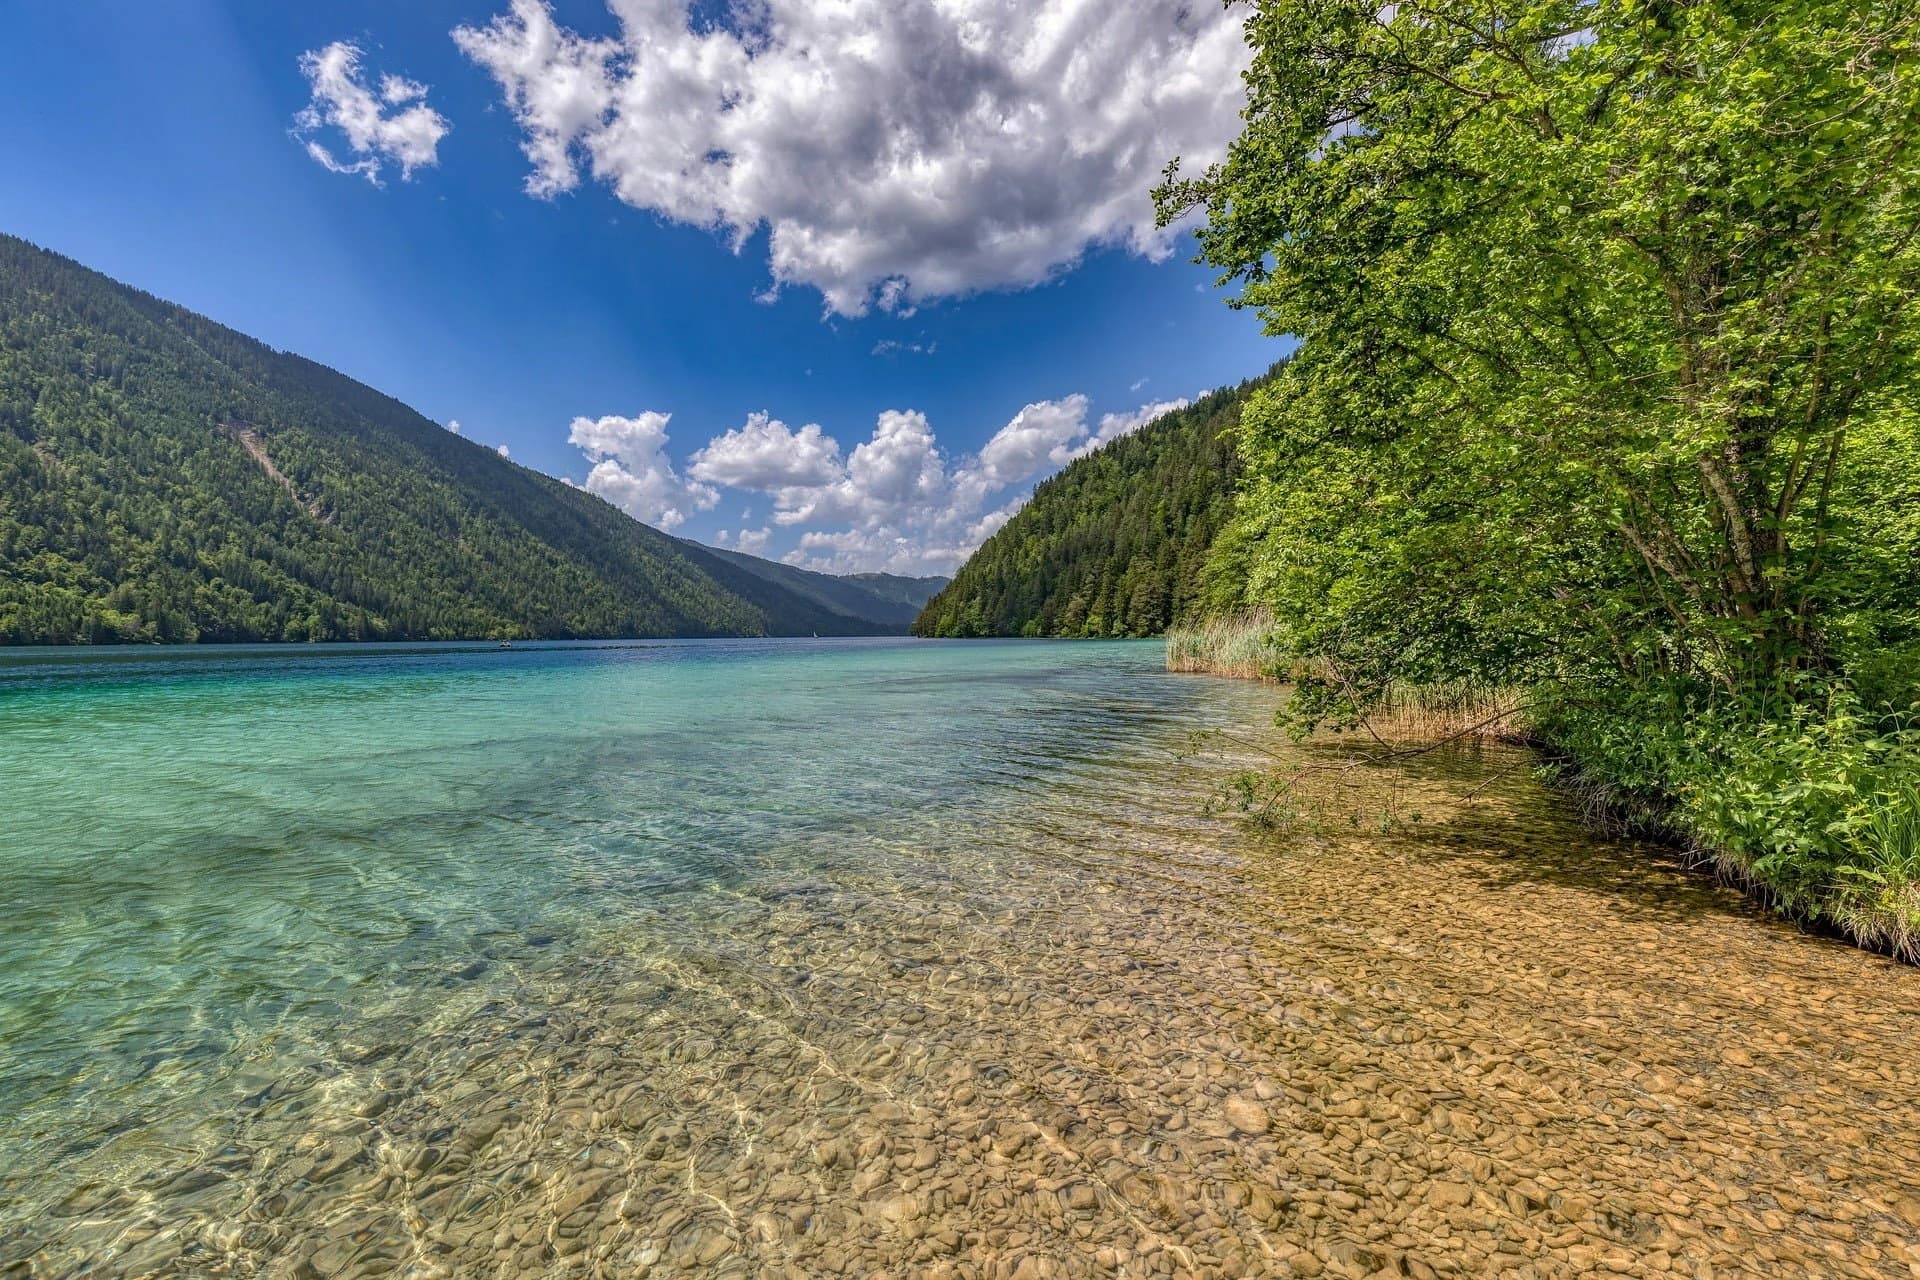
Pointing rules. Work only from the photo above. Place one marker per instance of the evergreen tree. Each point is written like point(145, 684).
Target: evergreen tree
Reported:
point(1114, 545)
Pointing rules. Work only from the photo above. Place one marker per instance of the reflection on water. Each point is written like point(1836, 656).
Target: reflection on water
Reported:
point(876, 959)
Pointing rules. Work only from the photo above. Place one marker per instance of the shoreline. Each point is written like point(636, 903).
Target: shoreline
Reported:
point(1073, 1027)
point(1234, 649)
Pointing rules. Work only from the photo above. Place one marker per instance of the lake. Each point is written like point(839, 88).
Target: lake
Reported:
point(876, 957)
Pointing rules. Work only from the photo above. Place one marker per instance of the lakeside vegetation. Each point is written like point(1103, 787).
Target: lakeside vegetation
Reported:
point(1248, 646)
point(1605, 392)
point(1240, 645)
point(166, 479)
point(1604, 406)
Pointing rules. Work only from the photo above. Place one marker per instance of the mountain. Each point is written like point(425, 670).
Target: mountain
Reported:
point(163, 478)
point(885, 599)
point(1114, 545)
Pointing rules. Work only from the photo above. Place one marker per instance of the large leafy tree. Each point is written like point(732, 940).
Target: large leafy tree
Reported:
point(1606, 310)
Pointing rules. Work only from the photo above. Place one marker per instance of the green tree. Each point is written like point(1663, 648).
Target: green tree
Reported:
point(1605, 388)
point(1593, 295)
point(1114, 544)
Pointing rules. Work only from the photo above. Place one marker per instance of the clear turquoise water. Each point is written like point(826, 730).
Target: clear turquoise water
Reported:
point(745, 960)
point(218, 857)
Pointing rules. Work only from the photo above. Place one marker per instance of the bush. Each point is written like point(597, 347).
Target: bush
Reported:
point(1813, 801)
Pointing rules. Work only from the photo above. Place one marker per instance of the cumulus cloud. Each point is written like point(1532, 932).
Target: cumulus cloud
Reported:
point(503, 451)
point(897, 502)
point(453, 425)
point(894, 150)
point(1041, 434)
point(393, 126)
point(765, 455)
point(631, 469)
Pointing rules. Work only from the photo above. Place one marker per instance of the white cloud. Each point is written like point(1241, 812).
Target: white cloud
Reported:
point(765, 455)
point(453, 425)
point(1040, 435)
point(396, 127)
point(897, 471)
point(895, 150)
point(631, 469)
point(503, 451)
point(883, 550)
point(892, 346)
point(896, 502)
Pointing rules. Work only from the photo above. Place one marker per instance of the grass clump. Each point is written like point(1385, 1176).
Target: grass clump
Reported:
point(1877, 897)
point(1239, 645)
point(1812, 804)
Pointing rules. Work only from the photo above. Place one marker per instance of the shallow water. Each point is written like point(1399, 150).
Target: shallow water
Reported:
point(863, 958)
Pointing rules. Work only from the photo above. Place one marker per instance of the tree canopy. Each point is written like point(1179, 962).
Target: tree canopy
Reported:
point(1606, 313)
point(1605, 393)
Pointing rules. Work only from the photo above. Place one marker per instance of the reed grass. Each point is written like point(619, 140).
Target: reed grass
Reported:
point(1466, 710)
point(1244, 646)
point(1239, 645)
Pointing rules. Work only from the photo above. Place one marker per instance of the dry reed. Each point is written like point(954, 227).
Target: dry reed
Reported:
point(1244, 646)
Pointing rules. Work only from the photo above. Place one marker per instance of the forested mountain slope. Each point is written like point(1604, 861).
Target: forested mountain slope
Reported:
point(1115, 545)
point(163, 478)
point(886, 599)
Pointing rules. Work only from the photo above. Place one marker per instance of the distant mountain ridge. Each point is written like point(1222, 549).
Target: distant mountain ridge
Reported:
point(884, 598)
point(1117, 544)
point(165, 478)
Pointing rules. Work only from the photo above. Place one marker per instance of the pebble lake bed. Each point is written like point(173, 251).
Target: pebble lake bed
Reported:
point(877, 958)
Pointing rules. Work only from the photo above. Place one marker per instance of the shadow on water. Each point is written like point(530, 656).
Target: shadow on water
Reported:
point(1480, 811)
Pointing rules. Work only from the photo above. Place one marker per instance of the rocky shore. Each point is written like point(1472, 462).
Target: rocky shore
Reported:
point(1140, 1043)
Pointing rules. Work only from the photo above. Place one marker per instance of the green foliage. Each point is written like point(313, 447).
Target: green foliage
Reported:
point(1813, 800)
point(1115, 545)
point(131, 507)
point(1605, 392)
point(1239, 645)
point(1605, 290)
point(1878, 898)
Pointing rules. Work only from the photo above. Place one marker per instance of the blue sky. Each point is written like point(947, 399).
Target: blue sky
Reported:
point(162, 145)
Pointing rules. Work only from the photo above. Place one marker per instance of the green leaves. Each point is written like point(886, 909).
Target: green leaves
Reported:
point(1609, 353)
point(1606, 289)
